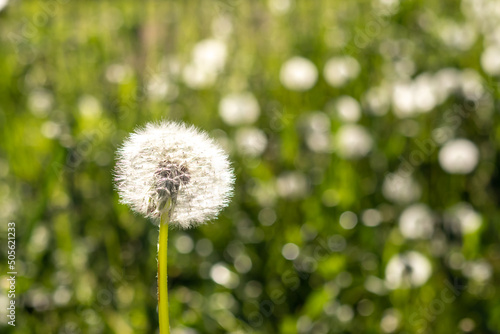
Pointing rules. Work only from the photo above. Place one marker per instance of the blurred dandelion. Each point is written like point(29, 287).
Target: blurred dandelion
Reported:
point(208, 59)
point(339, 70)
point(407, 270)
point(490, 60)
point(348, 109)
point(416, 221)
point(298, 74)
point(239, 109)
point(459, 156)
point(464, 218)
point(251, 141)
point(401, 188)
point(353, 142)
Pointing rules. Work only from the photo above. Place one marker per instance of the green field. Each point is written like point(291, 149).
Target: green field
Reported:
point(364, 138)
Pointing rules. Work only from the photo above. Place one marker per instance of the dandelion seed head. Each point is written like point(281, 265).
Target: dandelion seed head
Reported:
point(172, 161)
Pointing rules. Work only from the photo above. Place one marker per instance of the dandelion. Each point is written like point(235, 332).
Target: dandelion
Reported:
point(459, 156)
point(339, 70)
point(490, 60)
point(464, 218)
point(251, 141)
point(348, 109)
point(299, 74)
point(416, 221)
point(175, 175)
point(401, 188)
point(410, 269)
point(239, 109)
point(353, 142)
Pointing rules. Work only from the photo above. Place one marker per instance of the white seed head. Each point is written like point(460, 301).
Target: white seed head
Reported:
point(298, 74)
point(407, 270)
point(459, 156)
point(169, 162)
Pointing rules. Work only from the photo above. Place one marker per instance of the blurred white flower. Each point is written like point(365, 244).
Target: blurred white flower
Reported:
point(292, 185)
point(403, 100)
point(407, 270)
point(208, 60)
point(184, 243)
point(290, 251)
point(239, 108)
point(467, 219)
point(447, 80)
point(220, 274)
point(348, 109)
point(339, 70)
point(348, 220)
point(410, 97)
point(169, 160)
point(279, 7)
point(197, 76)
point(251, 141)
point(459, 156)
point(416, 221)
point(371, 217)
point(51, 129)
point(424, 91)
point(480, 270)
point(159, 87)
point(458, 36)
point(490, 60)
point(222, 27)
point(471, 84)
point(400, 188)
point(298, 74)
point(89, 106)
point(353, 141)
point(40, 102)
point(210, 54)
point(3, 3)
point(390, 321)
point(378, 99)
point(316, 127)
point(117, 73)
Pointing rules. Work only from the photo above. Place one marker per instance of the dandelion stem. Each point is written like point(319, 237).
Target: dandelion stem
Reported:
point(162, 274)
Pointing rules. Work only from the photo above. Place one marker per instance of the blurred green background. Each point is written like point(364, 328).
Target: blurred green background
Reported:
point(364, 136)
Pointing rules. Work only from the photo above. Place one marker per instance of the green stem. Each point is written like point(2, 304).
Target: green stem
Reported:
point(162, 275)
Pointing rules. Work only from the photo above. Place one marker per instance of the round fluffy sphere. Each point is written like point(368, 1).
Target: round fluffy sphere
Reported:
point(169, 160)
point(459, 156)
